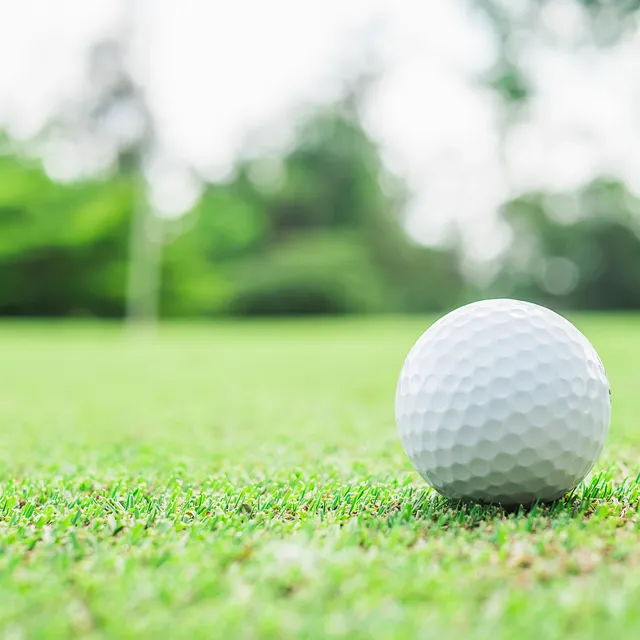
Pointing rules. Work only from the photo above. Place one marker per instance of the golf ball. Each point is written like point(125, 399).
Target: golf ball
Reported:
point(503, 401)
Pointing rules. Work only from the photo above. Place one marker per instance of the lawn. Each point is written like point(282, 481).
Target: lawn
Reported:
point(246, 481)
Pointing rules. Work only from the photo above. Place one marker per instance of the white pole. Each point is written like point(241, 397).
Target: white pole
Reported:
point(145, 262)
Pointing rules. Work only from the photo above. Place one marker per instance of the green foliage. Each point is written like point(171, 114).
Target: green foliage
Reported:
point(508, 82)
point(575, 250)
point(62, 246)
point(312, 273)
point(317, 231)
point(611, 20)
point(245, 480)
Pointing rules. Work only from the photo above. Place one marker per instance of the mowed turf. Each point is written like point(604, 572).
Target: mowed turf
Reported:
point(246, 481)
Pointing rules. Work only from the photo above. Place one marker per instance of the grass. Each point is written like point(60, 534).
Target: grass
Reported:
point(246, 481)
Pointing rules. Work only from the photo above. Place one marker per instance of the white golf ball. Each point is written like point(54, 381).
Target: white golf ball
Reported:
point(503, 401)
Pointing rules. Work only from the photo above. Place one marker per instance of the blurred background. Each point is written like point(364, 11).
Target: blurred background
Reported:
point(194, 158)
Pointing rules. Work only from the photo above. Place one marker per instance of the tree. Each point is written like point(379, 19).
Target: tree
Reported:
point(579, 250)
point(318, 230)
point(114, 113)
point(62, 246)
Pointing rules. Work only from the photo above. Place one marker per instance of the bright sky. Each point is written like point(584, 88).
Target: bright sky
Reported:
point(217, 74)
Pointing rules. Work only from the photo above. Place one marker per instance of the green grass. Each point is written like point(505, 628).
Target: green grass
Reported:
point(246, 481)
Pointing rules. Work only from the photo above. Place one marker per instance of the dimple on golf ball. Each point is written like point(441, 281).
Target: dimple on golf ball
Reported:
point(503, 401)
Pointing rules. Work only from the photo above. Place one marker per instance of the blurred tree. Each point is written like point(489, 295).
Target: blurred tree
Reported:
point(62, 246)
point(112, 115)
point(316, 231)
point(579, 250)
point(517, 25)
point(576, 250)
point(506, 77)
point(607, 20)
point(117, 106)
